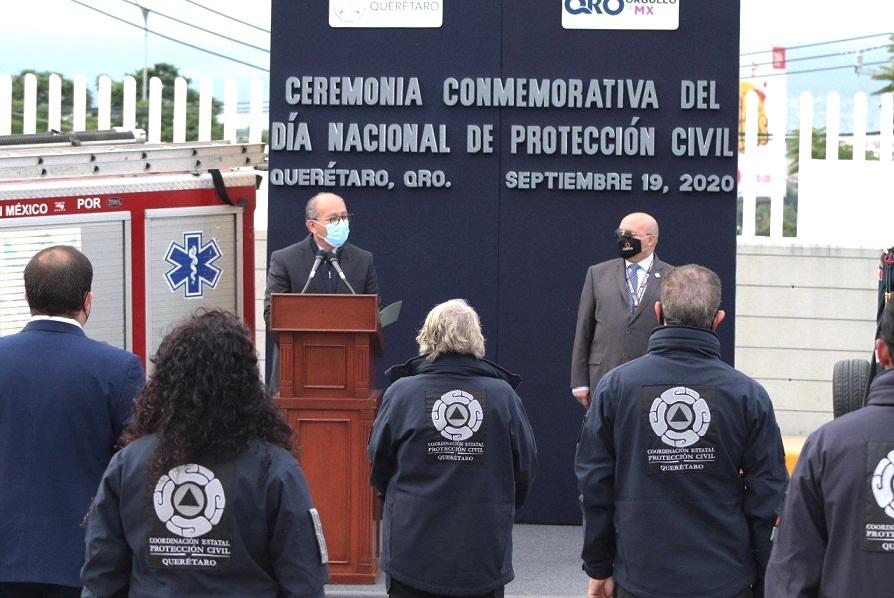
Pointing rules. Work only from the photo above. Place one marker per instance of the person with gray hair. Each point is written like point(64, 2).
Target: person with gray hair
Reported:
point(680, 462)
point(691, 298)
point(453, 455)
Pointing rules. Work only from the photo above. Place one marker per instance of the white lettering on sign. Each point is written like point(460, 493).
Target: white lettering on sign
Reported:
point(88, 203)
point(25, 209)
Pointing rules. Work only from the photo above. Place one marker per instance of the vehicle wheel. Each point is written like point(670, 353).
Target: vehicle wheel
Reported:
point(850, 381)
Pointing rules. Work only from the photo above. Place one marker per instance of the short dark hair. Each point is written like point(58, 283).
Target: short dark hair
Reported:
point(886, 329)
point(690, 295)
point(57, 280)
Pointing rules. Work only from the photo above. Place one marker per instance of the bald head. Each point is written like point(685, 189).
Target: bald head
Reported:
point(57, 281)
point(320, 202)
point(643, 227)
point(319, 211)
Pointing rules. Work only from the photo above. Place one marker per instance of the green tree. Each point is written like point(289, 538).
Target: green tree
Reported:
point(886, 73)
point(43, 102)
point(817, 148)
point(167, 73)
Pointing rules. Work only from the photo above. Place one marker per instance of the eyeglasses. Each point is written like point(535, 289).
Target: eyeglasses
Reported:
point(621, 233)
point(336, 218)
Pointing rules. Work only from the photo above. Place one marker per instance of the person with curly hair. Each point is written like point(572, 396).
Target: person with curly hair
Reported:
point(205, 498)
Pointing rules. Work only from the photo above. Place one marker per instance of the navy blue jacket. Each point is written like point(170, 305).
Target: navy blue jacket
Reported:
point(64, 399)
point(454, 455)
point(836, 534)
point(681, 471)
point(237, 527)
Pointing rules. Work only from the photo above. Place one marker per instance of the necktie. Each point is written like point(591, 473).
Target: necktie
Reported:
point(632, 288)
point(333, 280)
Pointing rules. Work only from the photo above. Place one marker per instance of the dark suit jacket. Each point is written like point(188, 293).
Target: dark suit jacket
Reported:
point(290, 266)
point(606, 335)
point(64, 399)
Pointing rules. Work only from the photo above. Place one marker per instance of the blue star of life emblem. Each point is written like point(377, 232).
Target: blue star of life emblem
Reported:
point(193, 264)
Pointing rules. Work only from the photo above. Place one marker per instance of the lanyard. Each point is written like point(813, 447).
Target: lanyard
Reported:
point(635, 295)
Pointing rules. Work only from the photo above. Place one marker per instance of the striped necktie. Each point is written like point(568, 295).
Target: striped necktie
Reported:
point(632, 287)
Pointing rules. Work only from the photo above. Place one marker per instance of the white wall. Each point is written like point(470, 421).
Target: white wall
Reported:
point(801, 308)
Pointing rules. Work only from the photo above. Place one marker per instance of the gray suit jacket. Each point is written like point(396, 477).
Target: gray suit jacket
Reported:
point(606, 335)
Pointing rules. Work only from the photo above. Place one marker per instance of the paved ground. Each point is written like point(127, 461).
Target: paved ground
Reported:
point(546, 561)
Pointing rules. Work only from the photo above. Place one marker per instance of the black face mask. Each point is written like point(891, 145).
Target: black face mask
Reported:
point(629, 246)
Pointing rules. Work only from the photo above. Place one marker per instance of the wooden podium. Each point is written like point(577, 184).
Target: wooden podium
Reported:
point(326, 349)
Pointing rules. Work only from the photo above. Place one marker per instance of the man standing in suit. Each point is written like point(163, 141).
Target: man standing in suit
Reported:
point(64, 399)
point(328, 222)
point(615, 315)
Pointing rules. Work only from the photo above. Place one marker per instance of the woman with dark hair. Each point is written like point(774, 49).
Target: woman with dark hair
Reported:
point(205, 499)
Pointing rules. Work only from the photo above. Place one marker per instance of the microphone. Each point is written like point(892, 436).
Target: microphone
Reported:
point(313, 270)
point(333, 261)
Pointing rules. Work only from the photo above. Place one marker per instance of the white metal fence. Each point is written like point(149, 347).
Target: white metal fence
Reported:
point(257, 121)
point(840, 202)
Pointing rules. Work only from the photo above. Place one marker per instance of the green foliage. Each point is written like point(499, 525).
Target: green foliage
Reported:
point(817, 149)
point(43, 102)
point(886, 73)
point(168, 73)
point(762, 214)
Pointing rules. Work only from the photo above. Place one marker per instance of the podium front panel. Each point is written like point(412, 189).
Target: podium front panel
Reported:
point(330, 444)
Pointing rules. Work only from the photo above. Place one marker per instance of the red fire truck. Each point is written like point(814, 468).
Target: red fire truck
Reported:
point(168, 227)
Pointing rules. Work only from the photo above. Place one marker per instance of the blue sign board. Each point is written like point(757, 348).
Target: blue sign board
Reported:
point(489, 150)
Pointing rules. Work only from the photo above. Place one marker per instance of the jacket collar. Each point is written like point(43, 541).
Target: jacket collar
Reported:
point(676, 337)
point(53, 326)
point(881, 391)
point(310, 244)
point(453, 363)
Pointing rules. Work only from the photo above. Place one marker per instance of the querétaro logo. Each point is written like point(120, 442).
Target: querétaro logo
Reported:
point(883, 484)
point(680, 417)
point(189, 500)
point(193, 264)
point(457, 415)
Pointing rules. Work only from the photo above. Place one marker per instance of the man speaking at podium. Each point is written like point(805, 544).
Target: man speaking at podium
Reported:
point(324, 262)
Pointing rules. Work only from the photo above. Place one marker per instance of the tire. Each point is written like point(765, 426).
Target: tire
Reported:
point(850, 381)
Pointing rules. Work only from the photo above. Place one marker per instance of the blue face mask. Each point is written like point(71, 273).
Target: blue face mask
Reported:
point(337, 234)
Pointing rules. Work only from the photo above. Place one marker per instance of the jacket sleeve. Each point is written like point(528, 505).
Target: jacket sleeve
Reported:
point(372, 280)
point(765, 477)
point(106, 570)
point(796, 563)
point(524, 451)
point(296, 550)
point(132, 382)
point(594, 465)
point(583, 334)
point(278, 281)
point(381, 450)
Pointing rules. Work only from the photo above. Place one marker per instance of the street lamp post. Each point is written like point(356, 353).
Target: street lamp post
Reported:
point(146, 12)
